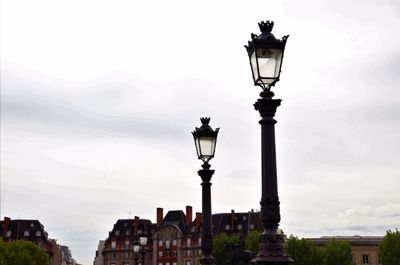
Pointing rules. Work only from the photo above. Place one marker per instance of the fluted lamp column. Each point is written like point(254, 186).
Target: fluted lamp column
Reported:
point(266, 54)
point(205, 139)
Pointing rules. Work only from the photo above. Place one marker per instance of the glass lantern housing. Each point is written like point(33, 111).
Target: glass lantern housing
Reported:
point(143, 240)
point(205, 139)
point(136, 248)
point(265, 55)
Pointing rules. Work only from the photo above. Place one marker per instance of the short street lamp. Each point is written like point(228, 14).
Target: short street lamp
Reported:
point(143, 243)
point(205, 139)
point(136, 249)
point(139, 248)
point(265, 55)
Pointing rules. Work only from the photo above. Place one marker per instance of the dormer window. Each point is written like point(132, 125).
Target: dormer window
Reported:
point(32, 225)
point(244, 218)
point(117, 233)
point(38, 233)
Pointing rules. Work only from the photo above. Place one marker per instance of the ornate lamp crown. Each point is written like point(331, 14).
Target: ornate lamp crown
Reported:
point(266, 26)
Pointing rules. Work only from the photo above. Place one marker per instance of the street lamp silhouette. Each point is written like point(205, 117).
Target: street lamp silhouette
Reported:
point(205, 139)
point(265, 54)
point(140, 250)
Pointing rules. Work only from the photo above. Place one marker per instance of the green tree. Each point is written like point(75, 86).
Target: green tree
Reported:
point(22, 252)
point(219, 242)
point(389, 249)
point(251, 242)
point(303, 251)
point(338, 253)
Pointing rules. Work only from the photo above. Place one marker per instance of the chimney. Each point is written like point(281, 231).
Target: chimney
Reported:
point(232, 219)
point(160, 215)
point(5, 225)
point(188, 214)
point(199, 217)
point(135, 225)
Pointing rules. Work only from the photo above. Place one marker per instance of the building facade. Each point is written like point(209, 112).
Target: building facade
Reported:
point(33, 231)
point(175, 239)
point(364, 249)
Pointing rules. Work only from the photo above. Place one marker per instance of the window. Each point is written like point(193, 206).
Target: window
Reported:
point(8, 234)
point(113, 245)
point(160, 253)
point(112, 263)
point(193, 229)
point(126, 256)
point(160, 263)
point(32, 225)
point(188, 253)
point(160, 243)
point(114, 255)
point(128, 232)
point(251, 226)
point(125, 224)
point(239, 227)
point(126, 244)
point(175, 254)
point(244, 218)
point(199, 241)
point(174, 263)
point(167, 253)
point(174, 242)
point(227, 227)
point(167, 244)
point(117, 233)
point(365, 260)
point(167, 263)
point(188, 242)
point(26, 233)
point(188, 262)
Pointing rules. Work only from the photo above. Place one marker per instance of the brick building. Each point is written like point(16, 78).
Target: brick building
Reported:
point(33, 230)
point(175, 239)
point(118, 247)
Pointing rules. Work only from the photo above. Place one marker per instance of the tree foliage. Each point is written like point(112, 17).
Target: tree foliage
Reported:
point(22, 252)
point(337, 252)
point(389, 249)
point(219, 242)
point(251, 242)
point(303, 251)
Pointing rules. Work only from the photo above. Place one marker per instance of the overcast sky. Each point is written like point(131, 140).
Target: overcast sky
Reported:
point(98, 99)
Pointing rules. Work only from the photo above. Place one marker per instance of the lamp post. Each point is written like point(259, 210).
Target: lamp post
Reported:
point(205, 139)
point(143, 243)
point(136, 249)
point(265, 55)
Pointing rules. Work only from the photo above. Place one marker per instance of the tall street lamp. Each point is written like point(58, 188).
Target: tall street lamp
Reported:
point(205, 139)
point(265, 55)
point(143, 243)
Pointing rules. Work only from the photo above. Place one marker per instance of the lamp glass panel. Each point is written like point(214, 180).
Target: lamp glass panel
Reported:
point(269, 63)
point(254, 67)
point(207, 147)
point(143, 240)
point(136, 248)
point(197, 142)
